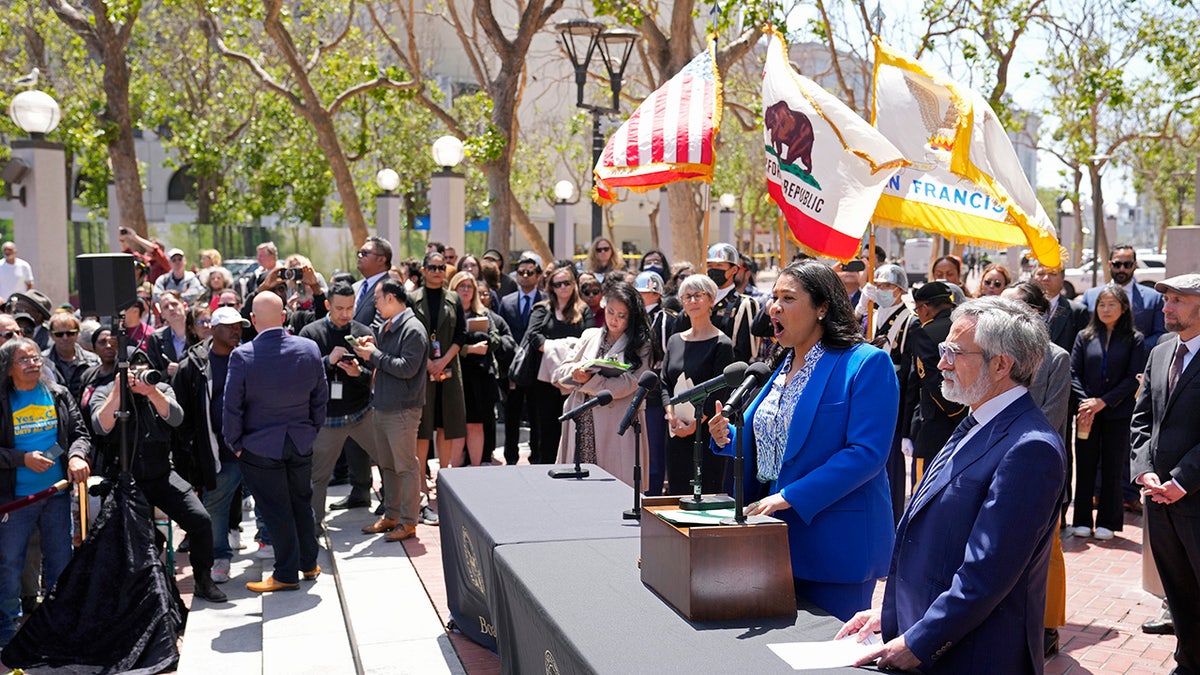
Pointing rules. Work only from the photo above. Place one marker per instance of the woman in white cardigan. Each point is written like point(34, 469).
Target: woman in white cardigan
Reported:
point(624, 337)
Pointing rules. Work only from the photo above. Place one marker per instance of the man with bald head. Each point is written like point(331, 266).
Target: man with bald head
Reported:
point(275, 398)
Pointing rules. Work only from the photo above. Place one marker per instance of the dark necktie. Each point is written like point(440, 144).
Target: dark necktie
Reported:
point(526, 301)
point(1176, 368)
point(943, 457)
point(362, 295)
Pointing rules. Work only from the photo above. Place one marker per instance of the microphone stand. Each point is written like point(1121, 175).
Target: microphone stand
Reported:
point(699, 502)
point(125, 411)
point(578, 471)
point(636, 512)
point(739, 469)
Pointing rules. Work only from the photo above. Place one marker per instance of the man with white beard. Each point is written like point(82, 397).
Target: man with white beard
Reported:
point(966, 590)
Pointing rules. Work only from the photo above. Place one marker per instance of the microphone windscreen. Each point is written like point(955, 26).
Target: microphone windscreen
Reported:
point(760, 372)
point(604, 396)
point(648, 380)
point(734, 373)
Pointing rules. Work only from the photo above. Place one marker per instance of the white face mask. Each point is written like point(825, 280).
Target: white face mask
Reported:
point(886, 299)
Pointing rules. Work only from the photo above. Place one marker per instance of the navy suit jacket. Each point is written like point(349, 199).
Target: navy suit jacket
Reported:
point(275, 387)
point(365, 313)
point(840, 524)
point(1147, 306)
point(510, 311)
point(967, 584)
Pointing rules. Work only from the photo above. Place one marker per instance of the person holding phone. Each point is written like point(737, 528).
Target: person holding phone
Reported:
point(43, 439)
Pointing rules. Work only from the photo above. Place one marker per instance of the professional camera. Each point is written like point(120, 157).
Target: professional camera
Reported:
point(291, 274)
point(145, 374)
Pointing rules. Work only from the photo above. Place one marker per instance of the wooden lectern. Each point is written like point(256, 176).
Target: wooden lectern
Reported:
point(717, 572)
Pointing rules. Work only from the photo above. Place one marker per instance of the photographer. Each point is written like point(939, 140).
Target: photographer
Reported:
point(154, 413)
point(276, 282)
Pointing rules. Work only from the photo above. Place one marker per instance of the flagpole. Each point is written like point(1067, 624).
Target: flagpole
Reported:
point(870, 279)
point(707, 216)
point(782, 243)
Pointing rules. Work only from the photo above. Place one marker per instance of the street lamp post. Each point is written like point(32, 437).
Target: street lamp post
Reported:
point(387, 207)
point(725, 219)
point(562, 237)
point(447, 195)
point(1066, 207)
point(582, 38)
point(40, 213)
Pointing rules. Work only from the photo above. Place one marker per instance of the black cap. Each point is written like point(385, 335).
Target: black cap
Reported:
point(934, 291)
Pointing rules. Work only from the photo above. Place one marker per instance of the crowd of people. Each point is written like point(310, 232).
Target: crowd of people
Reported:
point(897, 421)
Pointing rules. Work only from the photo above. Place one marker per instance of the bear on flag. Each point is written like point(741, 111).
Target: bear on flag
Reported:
point(826, 166)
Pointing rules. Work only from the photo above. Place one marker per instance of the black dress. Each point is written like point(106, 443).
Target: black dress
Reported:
point(687, 364)
point(547, 399)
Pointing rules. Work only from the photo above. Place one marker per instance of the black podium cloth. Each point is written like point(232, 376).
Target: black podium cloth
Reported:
point(485, 507)
point(115, 608)
point(581, 607)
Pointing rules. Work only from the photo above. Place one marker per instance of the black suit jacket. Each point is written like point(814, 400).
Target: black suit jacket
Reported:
point(1165, 437)
point(365, 313)
point(936, 417)
point(160, 349)
point(510, 311)
point(1068, 319)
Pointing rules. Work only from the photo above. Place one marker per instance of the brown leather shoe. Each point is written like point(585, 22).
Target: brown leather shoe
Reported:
point(401, 533)
point(381, 525)
point(271, 585)
point(313, 573)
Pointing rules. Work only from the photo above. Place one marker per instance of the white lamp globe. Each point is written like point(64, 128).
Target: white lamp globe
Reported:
point(387, 180)
point(36, 112)
point(447, 152)
point(1067, 206)
point(728, 201)
point(564, 190)
point(1111, 210)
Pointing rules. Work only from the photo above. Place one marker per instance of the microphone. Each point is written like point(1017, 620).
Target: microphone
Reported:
point(756, 376)
point(732, 376)
point(647, 382)
point(603, 397)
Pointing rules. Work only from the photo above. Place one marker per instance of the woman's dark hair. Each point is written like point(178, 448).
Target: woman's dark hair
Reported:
point(412, 272)
point(638, 329)
point(1124, 326)
point(194, 315)
point(394, 288)
point(840, 329)
point(1031, 294)
point(431, 255)
point(489, 273)
point(952, 259)
point(666, 264)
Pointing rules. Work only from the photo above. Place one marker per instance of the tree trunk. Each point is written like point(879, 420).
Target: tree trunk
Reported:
point(687, 226)
point(504, 208)
point(121, 148)
point(1077, 240)
point(327, 140)
point(1099, 231)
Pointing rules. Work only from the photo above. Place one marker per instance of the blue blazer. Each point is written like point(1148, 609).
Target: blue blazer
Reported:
point(275, 387)
point(840, 524)
point(510, 311)
point(1147, 306)
point(967, 584)
point(1117, 383)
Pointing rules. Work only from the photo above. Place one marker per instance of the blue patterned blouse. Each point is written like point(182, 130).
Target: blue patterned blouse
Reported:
point(773, 418)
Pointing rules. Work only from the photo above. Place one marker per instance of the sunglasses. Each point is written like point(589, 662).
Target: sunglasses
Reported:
point(64, 333)
point(527, 273)
point(589, 292)
point(363, 254)
point(1122, 264)
point(561, 284)
point(227, 304)
point(435, 268)
point(204, 322)
point(993, 284)
point(603, 249)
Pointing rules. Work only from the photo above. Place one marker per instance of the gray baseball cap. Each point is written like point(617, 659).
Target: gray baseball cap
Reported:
point(1188, 284)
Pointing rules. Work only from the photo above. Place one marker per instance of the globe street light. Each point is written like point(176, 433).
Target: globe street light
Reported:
point(581, 39)
point(725, 219)
point(448, 195)
point(40, 219)
point(387, 206)
point(562, 235)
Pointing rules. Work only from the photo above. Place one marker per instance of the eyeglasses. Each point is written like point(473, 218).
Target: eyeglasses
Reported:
point(435, 268)
point(994, 284)
point(589, 292)
point(29, 361)
point(362, 253)
point(603, 249)
point(204, 322)
point(950, 351)
point(227, 304)
point(1122, 264)
point(64, 333)
point(561, 284)
point(527, 273)
point(693, 297)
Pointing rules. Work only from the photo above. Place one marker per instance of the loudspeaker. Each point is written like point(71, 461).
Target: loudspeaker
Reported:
point(106, 281)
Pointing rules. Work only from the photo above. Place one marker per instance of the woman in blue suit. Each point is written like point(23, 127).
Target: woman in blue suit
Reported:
point(819, 437)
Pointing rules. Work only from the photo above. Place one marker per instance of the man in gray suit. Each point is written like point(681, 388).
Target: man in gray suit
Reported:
point(1165, 454)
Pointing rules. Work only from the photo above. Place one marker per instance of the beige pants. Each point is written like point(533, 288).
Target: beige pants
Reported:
point(395, 450)
point(328, 447)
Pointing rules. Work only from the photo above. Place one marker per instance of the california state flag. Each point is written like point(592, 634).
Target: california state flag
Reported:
point(826, 166)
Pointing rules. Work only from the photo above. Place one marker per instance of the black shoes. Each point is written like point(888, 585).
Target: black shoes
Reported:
point(1160, 626)
point(207, 589)
point(349, 503)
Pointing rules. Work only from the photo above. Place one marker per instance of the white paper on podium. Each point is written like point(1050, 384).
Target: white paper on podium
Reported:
point(827, 654)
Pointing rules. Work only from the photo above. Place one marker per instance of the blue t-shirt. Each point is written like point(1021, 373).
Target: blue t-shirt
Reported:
point(35, 428)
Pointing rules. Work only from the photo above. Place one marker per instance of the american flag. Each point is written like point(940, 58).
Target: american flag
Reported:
point(670, 135)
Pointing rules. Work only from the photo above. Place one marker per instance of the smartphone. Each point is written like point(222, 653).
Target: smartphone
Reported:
point(351, 341)
point(53, 452)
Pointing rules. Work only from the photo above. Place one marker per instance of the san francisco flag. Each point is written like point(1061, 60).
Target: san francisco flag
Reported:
point(965, 181)
point(670, 135)
point(825, 165)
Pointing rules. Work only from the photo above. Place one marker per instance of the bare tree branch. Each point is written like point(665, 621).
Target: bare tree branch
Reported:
point(363, 87)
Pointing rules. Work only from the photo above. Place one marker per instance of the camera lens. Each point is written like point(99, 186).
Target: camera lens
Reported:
point(148, 376)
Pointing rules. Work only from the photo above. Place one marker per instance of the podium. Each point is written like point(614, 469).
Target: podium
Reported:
point(717, 572)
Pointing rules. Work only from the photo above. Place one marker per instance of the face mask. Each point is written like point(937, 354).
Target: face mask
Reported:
point(718, 276)
point(885, 299)
point(657, 269)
